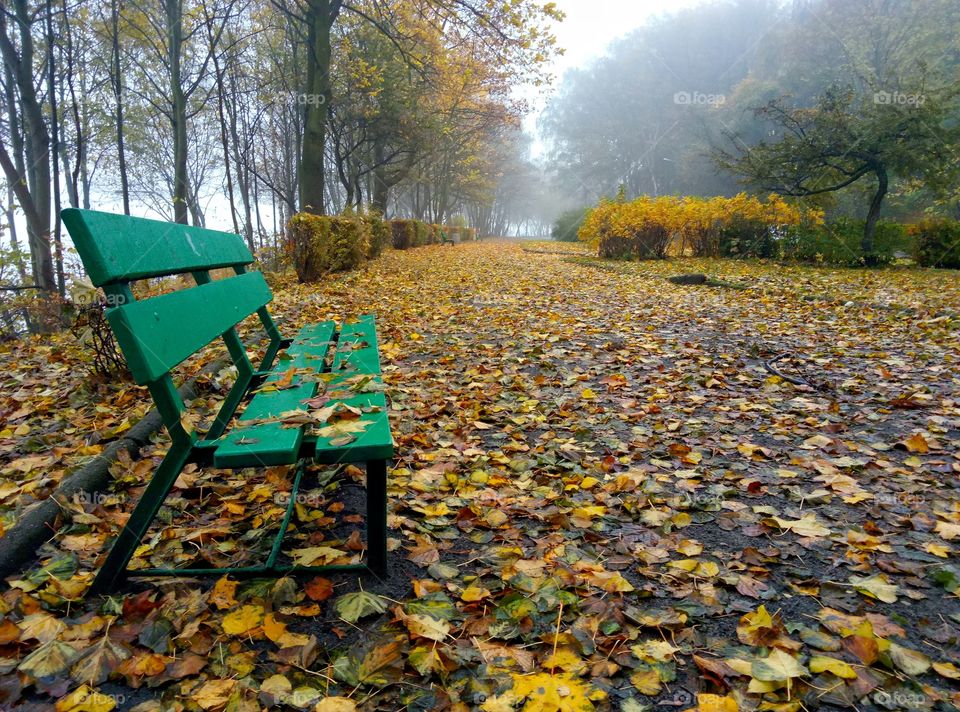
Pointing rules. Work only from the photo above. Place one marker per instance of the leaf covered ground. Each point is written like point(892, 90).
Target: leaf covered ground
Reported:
point(602, 500)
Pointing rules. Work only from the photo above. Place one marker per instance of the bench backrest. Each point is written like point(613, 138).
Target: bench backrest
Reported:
point(158, 333)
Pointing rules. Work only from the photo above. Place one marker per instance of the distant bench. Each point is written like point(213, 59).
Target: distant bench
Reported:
point(340, 368)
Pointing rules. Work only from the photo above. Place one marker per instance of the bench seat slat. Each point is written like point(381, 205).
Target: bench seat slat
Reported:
point(313, 338)
point(374, 443)
point(159, 333)
point(275, 443)
point(272, 443)
point(357, 347)
point(121, 248)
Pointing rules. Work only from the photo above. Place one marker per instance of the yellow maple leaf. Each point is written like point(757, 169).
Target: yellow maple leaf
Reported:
point(917, 443)
point(222, 594)
point(242, 620)
point(562, 692)
point(716, 703)
point(86, 699)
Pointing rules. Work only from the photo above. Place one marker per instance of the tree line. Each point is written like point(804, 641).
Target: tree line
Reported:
point(848, 105)
point(262, 108)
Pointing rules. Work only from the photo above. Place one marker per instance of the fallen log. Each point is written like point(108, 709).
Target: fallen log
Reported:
point(688, 279)
point(704, 279)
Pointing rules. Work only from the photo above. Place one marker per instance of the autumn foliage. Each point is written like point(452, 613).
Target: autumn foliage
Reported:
point(322, 244)
point(937, 243)
point(648, 227)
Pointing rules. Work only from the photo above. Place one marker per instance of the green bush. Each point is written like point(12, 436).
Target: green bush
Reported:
point(379, 233)
point(567, 226)
point(937, 243)
point(322, 243)
point(422, 234)
point(746, 238)
point(839, 243)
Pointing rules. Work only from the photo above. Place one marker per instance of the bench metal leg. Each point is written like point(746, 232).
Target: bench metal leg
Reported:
point(377, 517)
point(114, 568)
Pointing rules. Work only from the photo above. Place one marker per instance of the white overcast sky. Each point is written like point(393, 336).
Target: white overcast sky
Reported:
point(590, 26)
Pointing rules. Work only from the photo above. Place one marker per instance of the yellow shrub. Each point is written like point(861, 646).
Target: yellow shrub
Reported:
point(649, 227)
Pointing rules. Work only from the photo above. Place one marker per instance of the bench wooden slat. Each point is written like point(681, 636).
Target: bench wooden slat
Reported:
point(159, 333)
point(357, 347)
point(120, 248)
point(265, 443)
point(374, 443)
point(272, 443)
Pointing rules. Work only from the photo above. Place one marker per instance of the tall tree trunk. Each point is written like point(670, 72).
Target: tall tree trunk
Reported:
point(33, 189)
point(14, 242)
point(873, 215)
point(320, 16)
point(79, 128)
point(55, 150)
point(218, 74)
point(178, 112)
point(116, 81)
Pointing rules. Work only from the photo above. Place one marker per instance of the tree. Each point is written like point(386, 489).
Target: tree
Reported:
point(847, 137)
point(28, 170)
point(510, 36)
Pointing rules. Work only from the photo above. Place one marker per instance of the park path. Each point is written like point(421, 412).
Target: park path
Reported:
point(585, 448)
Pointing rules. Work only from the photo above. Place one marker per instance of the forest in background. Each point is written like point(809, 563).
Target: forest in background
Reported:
point(252, 110)
point(653, 114)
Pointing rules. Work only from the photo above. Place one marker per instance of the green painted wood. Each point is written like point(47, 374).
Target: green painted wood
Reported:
point(120, 248)
point(157, 334)
point(373, 443)
point(273, 443)
point(357, 347)
point(265, 443)
point(313, 339)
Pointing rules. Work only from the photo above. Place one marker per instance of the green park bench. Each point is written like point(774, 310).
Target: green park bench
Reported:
point(158, 333)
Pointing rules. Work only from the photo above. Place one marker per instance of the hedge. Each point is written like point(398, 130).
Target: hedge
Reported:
point(379, 234)
point(839, 243)
point(404, 233)
point(647, 228)
point(323, 243)
point(416, 233)
point(937, 243)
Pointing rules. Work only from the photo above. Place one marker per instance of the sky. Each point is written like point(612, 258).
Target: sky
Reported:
point(589, 28)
